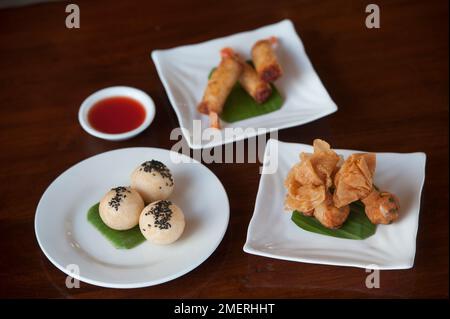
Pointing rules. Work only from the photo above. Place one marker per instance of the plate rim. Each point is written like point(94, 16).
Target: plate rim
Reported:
point(133, 284)
point(248, 248)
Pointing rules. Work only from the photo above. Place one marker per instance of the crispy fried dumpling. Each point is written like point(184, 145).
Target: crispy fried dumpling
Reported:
point(323, 185)
point(305, 173)
point(295, 204)
point(381, 207)
point(308, 181)
point(306, 197)
point(303, 196)
point(354, 179)
point(324, 161)
point(329, 215)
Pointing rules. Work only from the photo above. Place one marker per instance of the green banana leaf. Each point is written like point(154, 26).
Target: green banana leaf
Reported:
point(121, 239)
point(357, 226)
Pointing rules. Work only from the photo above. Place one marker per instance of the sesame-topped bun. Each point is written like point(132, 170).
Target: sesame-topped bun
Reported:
point(120, 208)
point(162, 222)
point(153, 181)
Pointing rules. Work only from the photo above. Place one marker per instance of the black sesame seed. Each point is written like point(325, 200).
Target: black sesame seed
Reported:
point(118, 197)
point(162, 213)
point(156, 166)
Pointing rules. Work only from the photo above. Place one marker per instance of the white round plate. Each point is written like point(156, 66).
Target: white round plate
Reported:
point(73, 245)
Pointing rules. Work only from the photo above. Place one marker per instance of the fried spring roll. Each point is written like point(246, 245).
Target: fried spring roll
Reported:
point(258, 89)
point(219, 87)
point(265, 60)
point(214, 120)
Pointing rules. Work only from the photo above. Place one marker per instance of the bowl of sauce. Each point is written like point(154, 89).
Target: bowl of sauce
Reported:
point(116, 113)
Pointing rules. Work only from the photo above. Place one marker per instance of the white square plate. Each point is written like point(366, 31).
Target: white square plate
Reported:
point(271, 232)
point(184, 73)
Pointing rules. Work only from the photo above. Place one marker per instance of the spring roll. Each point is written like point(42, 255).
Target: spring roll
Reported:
point(258, 89)
point(219, 87)
point(265, 60)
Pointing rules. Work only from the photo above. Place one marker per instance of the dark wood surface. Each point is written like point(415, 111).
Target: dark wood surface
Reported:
point(391, 86)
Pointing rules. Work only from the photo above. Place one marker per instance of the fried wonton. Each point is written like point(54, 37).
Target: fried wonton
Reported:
point(305, 173)
point(329, 215)
point(354, 180)
point(324, 161)
point(308, 181)
point(381, 207)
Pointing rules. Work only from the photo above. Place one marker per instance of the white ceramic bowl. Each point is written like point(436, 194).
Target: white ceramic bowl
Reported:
point(143, 98)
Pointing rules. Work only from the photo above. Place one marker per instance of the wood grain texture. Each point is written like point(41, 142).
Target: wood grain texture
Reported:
point(391, 86)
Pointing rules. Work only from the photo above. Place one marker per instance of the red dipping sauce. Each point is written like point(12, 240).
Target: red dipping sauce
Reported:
point(116, 115)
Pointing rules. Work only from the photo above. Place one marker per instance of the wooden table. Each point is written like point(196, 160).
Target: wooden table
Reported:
point(391, 86)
